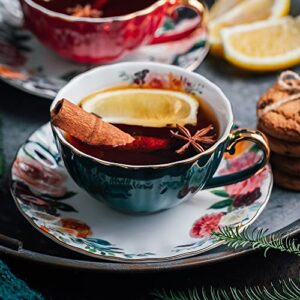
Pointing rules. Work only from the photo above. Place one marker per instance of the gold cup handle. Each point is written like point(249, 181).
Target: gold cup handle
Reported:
point(235, 137)
point(196, 5)
point(252, 135)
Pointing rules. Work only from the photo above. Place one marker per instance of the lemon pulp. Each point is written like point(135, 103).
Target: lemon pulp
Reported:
point(264, 46)
point(143, 107)
point(246, 11)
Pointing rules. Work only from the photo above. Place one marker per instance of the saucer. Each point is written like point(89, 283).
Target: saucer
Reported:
point(50, 200)
point(28, 65)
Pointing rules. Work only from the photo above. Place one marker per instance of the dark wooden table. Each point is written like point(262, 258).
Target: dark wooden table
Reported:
point(22, 114)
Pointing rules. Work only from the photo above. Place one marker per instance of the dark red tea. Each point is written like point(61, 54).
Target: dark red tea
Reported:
point(108, 8)
point(144, 156)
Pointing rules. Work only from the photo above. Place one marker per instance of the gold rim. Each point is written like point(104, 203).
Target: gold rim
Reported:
point(66, 17)
point(252, 135)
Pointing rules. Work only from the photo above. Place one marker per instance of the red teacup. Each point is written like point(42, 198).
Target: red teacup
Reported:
point(99, 40)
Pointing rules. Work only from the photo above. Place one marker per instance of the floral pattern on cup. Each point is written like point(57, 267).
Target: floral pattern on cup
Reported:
point(71, 226)
point(234, 197)
point(206, 225)
point(40, 180)
point(244, 193)
point(170, 81)
point(39, 177)
point(43, 202)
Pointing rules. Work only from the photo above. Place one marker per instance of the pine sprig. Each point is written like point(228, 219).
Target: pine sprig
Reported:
point(257, 239)
point(286, 291)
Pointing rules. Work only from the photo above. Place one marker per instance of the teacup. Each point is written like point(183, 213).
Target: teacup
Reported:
point(99, 40)
point(152, 188)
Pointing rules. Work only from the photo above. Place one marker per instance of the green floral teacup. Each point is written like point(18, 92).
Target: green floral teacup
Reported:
point(152, 188)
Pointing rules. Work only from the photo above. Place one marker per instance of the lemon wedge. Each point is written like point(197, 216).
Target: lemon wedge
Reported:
point(246, 11)
point(263, 46)
point(143, 107)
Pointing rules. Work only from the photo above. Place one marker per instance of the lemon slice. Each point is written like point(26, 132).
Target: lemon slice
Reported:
point(247, 11)
point(143, 107)
point(263, 46)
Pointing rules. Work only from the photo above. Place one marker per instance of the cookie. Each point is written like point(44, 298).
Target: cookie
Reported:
point(283, 147)
point(286, 181)
point(278, 109)
point(288, 165)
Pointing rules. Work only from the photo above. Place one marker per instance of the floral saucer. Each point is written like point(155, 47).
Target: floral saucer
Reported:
point(49, 199)
point(26, 64)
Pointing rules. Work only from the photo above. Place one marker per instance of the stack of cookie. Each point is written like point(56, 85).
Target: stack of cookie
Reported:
point(278, 112)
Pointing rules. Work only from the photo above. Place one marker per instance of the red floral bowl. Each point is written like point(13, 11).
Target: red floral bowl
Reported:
point(99, 40)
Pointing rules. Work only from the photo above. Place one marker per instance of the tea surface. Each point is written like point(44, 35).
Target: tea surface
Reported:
point(108, 8)
point(205, 117)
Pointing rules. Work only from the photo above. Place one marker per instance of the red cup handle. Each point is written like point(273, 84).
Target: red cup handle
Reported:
point(197, 6)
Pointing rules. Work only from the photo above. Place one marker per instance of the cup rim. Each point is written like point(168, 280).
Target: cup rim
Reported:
point(192, 159)
point(126, 17)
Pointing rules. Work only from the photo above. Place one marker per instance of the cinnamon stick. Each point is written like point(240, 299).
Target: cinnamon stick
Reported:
point(87, 127)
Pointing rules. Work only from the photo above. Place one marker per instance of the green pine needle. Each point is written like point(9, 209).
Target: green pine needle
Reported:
point(286, 291)
point(257, 239)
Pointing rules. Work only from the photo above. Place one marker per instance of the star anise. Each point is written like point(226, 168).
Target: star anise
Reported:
point(85, 11)
point(199, 140)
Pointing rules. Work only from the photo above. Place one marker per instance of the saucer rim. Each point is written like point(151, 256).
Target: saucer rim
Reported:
point(14, 83)
point(141, 260)
point(105, 267)
point(138, 261)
